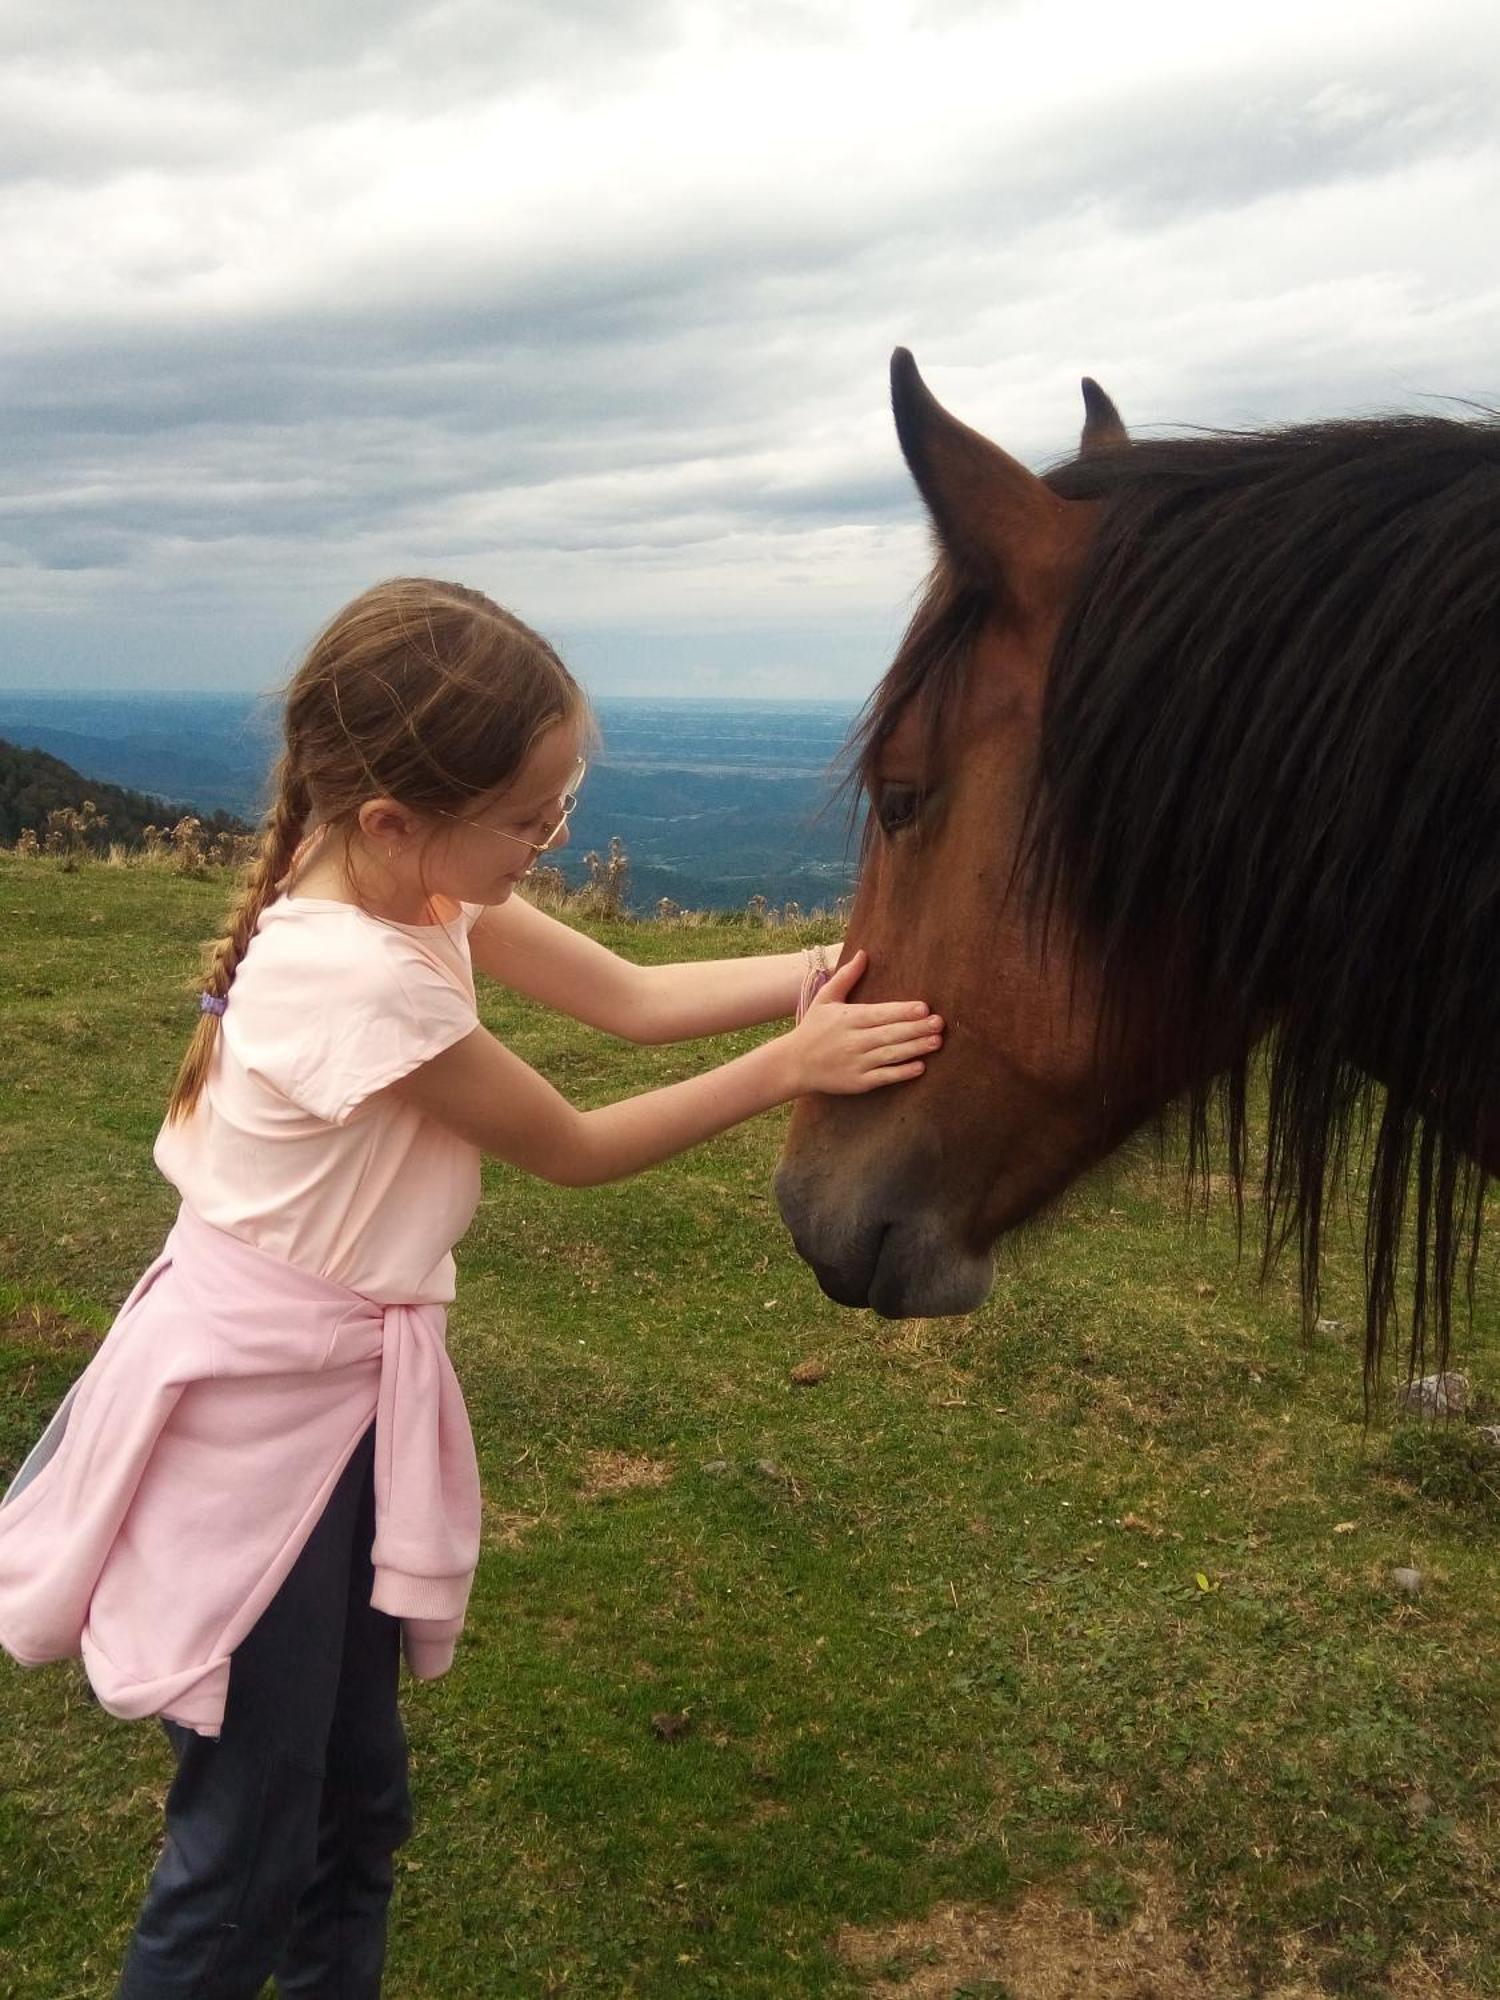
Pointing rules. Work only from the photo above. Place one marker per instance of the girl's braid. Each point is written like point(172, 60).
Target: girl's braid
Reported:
point(278, 848)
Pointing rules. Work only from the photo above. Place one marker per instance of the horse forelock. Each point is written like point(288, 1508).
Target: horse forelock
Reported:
point(926, 682)
point(1271, 735)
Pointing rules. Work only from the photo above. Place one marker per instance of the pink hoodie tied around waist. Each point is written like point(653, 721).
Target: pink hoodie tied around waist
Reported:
point(182, 1474)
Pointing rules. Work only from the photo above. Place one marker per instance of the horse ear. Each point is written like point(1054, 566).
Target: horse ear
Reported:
point(991, 514)
point(1103, 427)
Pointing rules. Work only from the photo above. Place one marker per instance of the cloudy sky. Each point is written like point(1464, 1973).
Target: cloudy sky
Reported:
point(589, 302)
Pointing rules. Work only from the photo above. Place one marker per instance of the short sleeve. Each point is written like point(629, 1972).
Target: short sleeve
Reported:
point(390, 1029)
point(340, 1010)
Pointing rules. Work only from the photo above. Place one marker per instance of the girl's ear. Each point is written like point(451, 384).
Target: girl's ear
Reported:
point(386, 822)
point(994, 518)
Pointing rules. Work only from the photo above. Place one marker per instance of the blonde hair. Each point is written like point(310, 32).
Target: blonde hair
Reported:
point(424, 692)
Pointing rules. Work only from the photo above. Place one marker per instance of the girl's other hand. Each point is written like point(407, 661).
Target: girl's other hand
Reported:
point(843, 1048)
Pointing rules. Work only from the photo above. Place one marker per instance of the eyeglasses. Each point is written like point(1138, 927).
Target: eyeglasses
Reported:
point(568, 805)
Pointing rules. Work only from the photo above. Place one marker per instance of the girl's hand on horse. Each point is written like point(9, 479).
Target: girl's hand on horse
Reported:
point(843, 1048)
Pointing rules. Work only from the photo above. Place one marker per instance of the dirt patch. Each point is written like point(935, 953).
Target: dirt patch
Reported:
point(609, 1472)
point(1049, 1947)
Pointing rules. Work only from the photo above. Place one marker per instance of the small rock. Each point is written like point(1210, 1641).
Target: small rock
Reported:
point(807, 1373)
point(1489, 1433)
point(1421, 1804)
point(669, 1728)
point(1206, 1291)
point(1329, 1328)
point(769, 1469)
point(1435, 1395)
point(716, 1468)
point(1406, 1582)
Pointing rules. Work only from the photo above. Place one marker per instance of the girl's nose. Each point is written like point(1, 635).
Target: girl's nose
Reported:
point(560, 838)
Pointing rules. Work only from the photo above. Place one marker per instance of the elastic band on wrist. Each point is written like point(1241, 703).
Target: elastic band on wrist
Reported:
point(814, 979)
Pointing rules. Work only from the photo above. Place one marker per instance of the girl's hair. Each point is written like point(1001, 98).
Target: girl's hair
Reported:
point(424, 692)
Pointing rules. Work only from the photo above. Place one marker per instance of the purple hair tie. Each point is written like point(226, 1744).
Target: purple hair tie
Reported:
point(212, 1003)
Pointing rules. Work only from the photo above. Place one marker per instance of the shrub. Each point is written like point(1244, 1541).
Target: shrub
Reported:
point(74, 832)
point(603, 893)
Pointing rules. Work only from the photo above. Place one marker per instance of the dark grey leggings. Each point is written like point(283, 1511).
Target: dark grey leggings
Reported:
point(280, 1833)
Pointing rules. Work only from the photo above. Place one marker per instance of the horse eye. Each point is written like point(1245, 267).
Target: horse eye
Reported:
point(896, 806)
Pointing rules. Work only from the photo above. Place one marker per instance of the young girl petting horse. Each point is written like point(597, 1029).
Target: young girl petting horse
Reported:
point(263, 1488)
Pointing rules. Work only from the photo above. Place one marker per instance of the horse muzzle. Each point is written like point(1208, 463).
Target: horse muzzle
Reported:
point(898, 1258)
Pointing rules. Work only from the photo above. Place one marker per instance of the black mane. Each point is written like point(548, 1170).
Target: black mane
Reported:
point(1271, 737)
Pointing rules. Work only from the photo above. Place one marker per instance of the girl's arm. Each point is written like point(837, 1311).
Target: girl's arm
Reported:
point(490, 1097)
point(526, 949)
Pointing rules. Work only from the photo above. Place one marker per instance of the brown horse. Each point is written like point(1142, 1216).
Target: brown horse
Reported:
point(1192, 750)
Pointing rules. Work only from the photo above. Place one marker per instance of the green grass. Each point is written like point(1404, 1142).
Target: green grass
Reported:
point(1060, 1596)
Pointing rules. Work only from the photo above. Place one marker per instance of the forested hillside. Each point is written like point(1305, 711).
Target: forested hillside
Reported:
point(32, 785)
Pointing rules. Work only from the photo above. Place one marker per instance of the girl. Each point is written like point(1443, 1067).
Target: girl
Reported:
point(263, 1488)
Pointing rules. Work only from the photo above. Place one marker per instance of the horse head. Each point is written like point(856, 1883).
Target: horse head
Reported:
point(896, 1198)
point(1188, 741)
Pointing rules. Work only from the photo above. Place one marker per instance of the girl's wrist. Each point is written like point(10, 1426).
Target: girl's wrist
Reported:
point(779, 1062)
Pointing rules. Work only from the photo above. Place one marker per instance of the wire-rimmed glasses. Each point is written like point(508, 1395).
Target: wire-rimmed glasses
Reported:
point(567, 806)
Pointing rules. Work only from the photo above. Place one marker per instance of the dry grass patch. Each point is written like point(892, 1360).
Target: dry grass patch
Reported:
point(606, 1473)
point(506, 1528)
point(1049, 1947)
point(920, 1340)
point(928, 1348)
point(42, 1326)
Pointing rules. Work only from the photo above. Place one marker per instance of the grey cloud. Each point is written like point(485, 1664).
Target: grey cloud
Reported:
point(657, 388)
point(62, 134)
point(307, 59)
point(1159, 155)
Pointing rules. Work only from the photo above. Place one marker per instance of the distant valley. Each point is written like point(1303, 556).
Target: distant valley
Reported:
point(715, 801)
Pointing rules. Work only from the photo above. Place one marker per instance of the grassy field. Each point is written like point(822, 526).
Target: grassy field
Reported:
point(1051, 1651)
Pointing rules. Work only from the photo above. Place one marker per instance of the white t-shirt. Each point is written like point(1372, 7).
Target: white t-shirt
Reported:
point(291, 1145)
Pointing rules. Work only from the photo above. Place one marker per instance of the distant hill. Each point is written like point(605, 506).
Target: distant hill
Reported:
point(33, 784)
point(212, 749)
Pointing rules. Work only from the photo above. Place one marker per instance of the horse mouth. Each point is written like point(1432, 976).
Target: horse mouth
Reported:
point(912, 1267)
point(922, 1273)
